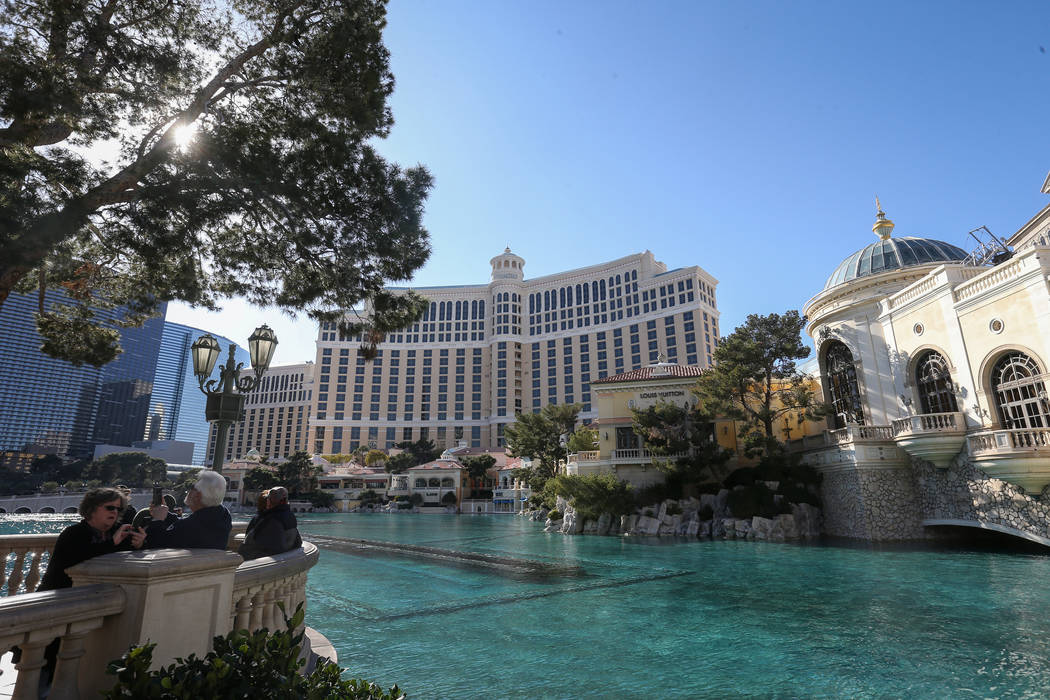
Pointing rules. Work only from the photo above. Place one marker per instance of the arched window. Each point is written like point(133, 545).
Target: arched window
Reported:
point(434, 481)
point(448, 482)
point(421, 483)
point(1020, 393)
point(842, 385)
point(935, 384)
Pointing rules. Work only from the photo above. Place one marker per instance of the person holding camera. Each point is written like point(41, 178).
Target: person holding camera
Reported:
point(206, 527)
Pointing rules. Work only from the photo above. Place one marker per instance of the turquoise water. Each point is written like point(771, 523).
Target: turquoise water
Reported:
point(652, 618)
point(648, 618)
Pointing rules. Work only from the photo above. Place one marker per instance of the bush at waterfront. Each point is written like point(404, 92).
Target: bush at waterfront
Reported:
point(241, 664)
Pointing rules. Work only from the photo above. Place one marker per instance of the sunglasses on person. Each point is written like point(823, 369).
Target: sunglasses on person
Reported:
point(112, 509)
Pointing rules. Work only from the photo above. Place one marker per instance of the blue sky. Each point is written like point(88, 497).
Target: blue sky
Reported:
point(749, 138)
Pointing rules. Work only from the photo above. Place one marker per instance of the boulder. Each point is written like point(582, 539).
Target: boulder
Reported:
point(665, 530)
point(786, 526)
point(627, 523)
point(760, 527)
point(705, 529)
point(691, 528)
point(743, 528)
point(604, 524)
point(709, 499)
point(718, 527)
point(721, 500)
point(729, 528)
point(647, 525)
point(570, 524)
point(590, 527)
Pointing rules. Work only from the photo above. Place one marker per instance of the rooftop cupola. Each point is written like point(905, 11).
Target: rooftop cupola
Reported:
point(508, 266)
point(883, 227)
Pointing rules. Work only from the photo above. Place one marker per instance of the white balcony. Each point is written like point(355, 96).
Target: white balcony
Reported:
point(935, 437)
point(1020, 456)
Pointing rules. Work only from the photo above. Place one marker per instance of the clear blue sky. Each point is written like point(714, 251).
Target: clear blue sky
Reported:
point(749, 138)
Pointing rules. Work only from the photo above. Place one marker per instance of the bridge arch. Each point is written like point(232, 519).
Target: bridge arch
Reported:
point(48, 509)
point(23, 510)
point(992, 527)
point(70, 509)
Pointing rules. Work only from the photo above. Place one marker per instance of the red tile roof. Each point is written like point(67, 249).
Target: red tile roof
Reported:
point(661, 371)
point(438, 464)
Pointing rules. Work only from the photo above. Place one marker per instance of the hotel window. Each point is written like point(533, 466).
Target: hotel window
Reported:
point(1020, 393)
point(843, 391)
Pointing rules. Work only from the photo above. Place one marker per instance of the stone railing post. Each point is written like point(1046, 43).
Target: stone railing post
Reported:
point(177, 598)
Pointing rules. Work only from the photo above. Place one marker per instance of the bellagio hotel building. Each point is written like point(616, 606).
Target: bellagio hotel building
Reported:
point(483, 353)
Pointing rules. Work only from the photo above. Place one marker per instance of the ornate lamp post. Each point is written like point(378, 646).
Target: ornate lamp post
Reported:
point(225, 404)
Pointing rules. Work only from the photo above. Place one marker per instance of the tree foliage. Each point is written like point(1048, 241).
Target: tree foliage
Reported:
point(543, 437)
point(478, 466)
point(584, 439)
point(375, 457)
point(130, 468)
point(260, 479)
point(755, 381)
point(421, 451)
point(683, 443)
point(238, 160)
point(298, 474)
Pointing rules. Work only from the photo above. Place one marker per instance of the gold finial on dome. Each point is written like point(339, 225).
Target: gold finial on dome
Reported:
point(883, 227)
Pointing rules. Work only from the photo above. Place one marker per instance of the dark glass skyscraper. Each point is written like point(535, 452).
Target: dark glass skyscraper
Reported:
point(177, 405)
point(50, 406)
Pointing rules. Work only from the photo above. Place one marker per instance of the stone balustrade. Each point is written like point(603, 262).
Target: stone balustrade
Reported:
point(860, 433)
point(180, 599)
point(260, 584)
point(588, 456)
point(1018, 439)
point(32, 620)
point(27, 565)
point(929, 423)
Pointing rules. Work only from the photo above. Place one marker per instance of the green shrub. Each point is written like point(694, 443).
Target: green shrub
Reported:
point(240, 665)
point(554, 515)
point(321, 499)
point(591, 495)
point(653, 494)
point(403, 499)
point(805, 474)
point(673, 509)
point(416, 499)
point(706, 512)
point(752, 500)
point(449, 499)
point(712, 487)
point(744, 476)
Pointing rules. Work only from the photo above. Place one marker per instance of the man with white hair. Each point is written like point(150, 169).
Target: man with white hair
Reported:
point(208, 525)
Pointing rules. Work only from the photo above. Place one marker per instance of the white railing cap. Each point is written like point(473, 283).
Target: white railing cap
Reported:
point(153, 565)
point(29, 611)
point(256, 571)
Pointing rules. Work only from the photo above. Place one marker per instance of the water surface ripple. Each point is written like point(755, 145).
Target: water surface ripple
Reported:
point(657, 618)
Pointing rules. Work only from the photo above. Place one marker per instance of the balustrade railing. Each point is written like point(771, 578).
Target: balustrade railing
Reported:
point(260, 584)
point(1003, 440)
point(587, 456)
point(31, 621)
point(857, 433)
point(929, 423)
point(21, 572)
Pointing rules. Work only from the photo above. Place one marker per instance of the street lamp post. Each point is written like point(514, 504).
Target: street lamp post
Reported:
point(225, 404)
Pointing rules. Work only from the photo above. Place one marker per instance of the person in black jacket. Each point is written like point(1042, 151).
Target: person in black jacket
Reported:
point(91, 537)
point(207, 527)
point(275, 531)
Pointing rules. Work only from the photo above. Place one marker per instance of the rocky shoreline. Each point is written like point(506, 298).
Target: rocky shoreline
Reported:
point(684, 518)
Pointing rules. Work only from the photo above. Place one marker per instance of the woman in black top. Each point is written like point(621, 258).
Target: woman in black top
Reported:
point(91, 537)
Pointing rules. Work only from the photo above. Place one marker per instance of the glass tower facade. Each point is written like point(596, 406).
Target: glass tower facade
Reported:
point(177, 405)
point(149, 392)
point(48, 406)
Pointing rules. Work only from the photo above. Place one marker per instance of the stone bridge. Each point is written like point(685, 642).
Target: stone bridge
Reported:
point(59, 502)
point(873, 490)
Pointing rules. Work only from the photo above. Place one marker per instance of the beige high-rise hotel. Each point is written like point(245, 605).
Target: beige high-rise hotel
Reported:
point(483, 353)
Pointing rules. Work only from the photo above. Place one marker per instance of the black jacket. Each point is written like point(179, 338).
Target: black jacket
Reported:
point(207, 528)
point(77, 543)
point(275, 531)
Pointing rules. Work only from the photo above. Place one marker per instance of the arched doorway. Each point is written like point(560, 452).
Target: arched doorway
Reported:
point(1020, 392)
point(841, 381)
point(934, 382)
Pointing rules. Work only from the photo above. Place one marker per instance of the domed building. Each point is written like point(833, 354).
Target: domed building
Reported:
point(934, 361)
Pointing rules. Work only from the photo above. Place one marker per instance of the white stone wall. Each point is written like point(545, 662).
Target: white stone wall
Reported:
point(875, 505)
